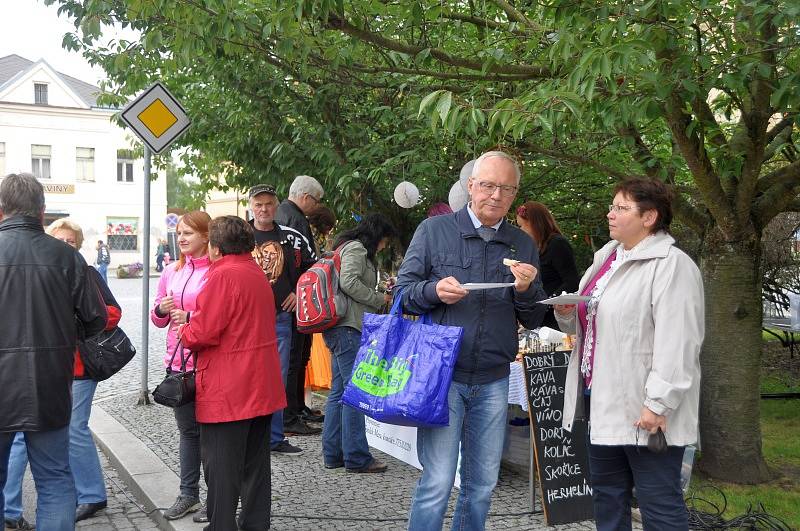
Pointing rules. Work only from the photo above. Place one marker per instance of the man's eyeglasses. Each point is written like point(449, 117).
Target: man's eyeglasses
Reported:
point(489, 188)
point(316, 201)
point(620, 208)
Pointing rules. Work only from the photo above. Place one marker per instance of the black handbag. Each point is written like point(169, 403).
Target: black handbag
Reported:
point(106, 353)
point(177, 388)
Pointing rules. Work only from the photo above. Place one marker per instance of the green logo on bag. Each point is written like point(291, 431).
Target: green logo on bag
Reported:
point(380, 377)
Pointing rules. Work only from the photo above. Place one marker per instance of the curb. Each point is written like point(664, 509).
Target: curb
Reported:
point(147, 477)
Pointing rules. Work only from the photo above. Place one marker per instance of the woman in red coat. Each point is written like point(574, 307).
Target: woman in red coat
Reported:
point(238, 378)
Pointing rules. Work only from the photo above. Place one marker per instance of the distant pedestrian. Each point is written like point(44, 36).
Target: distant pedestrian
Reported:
point(46, 290)
point(238, 378)
point(176, 299)
point(103, 259)
point(305, 194)
point(160, 251)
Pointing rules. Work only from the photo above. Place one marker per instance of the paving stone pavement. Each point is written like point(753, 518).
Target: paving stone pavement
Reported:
point(305, 496)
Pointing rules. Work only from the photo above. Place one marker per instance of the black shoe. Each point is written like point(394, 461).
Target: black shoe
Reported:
point(331, 466)
point(183, 505)
point(299, 427)
point(21, 523)
point(201, 516)
point(310, 415)
point(87, 510)
point(286, 448)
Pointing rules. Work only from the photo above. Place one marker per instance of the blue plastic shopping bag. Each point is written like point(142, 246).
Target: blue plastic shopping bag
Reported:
point(403, 370)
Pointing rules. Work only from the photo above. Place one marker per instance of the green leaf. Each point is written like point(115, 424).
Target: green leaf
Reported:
point(428, 100)
point(443, 105)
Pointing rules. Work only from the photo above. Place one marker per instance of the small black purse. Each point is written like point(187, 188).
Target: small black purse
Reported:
point(106, 353)
point(177, 389)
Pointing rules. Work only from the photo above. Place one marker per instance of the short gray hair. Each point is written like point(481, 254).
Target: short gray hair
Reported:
point(21, 194)
point(497, 154)
point(305, 184)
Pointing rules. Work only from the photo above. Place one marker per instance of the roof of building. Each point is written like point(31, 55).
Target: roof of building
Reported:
point(12, 66)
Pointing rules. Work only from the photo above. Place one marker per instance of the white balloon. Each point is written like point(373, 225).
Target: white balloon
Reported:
point(406, 194)
point(466, 173)
point(458, 197)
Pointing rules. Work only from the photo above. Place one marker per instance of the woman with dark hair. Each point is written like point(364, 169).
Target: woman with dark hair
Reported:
point(556, 259)
point(344, 440)
point(635, 371)
point(176, 298)
point(322, 221)
point(238, 378)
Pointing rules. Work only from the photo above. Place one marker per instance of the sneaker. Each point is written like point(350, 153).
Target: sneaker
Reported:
point(299, 427)
point(286, 448)
point(19, 524)
point(201, 516)
point(375, 467)
point(183, 505)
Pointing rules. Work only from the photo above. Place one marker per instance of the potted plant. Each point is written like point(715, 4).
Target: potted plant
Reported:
point(133, 270)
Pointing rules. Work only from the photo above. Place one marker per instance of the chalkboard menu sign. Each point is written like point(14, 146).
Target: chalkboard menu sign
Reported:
point(562, 461)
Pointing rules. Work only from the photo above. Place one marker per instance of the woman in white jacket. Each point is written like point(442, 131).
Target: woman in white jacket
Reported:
point(635, 370)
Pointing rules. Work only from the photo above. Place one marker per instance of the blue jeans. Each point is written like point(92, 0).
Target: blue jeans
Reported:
point(55, 489)
point(344, 436)
point(17, 463)
point(83, 458)
point(283, 329)
point(103, 270)
point(615, 470)
point(478, 415)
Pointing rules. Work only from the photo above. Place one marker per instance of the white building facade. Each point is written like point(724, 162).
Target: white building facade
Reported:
point(51, 126)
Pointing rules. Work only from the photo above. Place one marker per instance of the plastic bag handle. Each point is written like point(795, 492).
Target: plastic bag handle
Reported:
point(397, 308)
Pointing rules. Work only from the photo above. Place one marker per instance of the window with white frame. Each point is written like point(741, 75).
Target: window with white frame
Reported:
point(40, 93)
point(124, 165)
point(122, 234)
point(40, 161)
point(84, 164)
point(2, 159)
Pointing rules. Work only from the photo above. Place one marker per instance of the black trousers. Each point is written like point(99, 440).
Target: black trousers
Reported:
point(236, 463)
point(296, 378)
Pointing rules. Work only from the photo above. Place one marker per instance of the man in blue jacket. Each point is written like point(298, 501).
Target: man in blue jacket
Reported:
point(448, 251)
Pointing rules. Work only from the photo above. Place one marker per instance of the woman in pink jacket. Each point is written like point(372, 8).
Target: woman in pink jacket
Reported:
point(178, 288)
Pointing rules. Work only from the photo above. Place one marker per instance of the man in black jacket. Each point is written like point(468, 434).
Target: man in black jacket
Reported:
point(473, 245)
point(46, 290)
point(305, 194)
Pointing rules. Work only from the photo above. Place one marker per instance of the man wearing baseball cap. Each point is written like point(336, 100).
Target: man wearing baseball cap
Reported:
point(283, 253)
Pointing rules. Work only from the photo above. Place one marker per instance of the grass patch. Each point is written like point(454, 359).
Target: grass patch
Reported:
point(780, 430)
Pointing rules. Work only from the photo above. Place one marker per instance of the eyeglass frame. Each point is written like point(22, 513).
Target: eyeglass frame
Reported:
point(316, 201)
point(621, 208)
point(506, 190)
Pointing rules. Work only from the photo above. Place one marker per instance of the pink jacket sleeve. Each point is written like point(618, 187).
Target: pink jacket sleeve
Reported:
point(163, 282)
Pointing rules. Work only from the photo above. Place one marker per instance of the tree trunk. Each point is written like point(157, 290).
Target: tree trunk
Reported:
point(730, 430)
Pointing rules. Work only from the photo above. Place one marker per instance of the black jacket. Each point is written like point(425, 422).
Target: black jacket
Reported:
point(559, 272)
point(448, 245)
point(289, 214)
point(46, 294)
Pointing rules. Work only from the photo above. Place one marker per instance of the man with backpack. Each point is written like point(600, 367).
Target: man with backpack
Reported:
point(102, 260)
point(283, 254)
point(305, 193)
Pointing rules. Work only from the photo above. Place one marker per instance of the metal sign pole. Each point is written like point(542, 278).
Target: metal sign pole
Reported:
point(144, 397)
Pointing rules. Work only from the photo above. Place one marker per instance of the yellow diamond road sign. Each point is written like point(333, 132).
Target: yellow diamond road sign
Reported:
point(156, 117)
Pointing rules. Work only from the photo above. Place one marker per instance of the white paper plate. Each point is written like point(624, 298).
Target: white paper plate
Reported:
point(471, 286)
point(569, 298)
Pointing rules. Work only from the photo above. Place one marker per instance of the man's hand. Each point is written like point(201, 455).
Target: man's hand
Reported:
point(524, 274)
point(650, 421)
point(449, 290)
point(289, 303)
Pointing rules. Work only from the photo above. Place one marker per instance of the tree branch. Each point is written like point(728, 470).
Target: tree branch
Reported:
point(777, 199)
point(785, 177)
point(482, 22)
point(516, 15)
point(337, 23)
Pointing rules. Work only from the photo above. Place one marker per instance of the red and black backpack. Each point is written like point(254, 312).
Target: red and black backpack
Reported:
point(320, 303)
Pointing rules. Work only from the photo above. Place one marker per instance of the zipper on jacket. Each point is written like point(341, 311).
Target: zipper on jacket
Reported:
point(481, 315)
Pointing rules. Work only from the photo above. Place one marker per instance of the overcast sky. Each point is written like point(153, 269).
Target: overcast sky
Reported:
point(34, 31)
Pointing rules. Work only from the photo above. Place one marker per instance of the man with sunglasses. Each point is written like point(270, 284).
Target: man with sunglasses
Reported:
point(447, 252)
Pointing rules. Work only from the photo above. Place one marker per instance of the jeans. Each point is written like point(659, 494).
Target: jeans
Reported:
point(344, 436)
point(283, 329)
point(478, 416)
point(188, 450)
point(48, 452)
point(296, 377)
point(103, 270)
point(615, 470)
point(83, 460)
